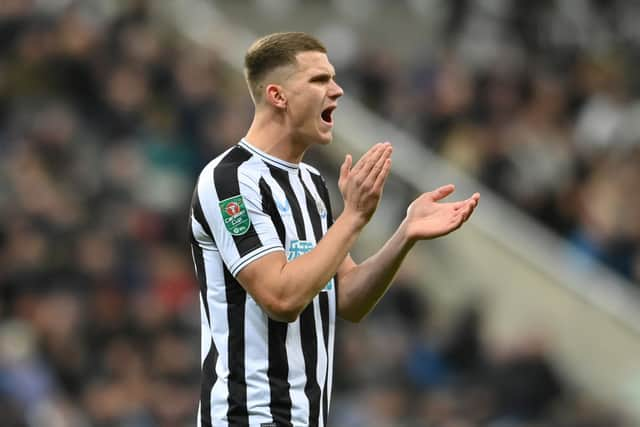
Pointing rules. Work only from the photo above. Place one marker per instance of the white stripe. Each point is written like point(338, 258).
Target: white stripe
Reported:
point(217, 299)
point(201, 235)
point(321, 366)
point(297, 376)
point(332, 333)
point(256, 363)
point(205, 345)
point(205, 335)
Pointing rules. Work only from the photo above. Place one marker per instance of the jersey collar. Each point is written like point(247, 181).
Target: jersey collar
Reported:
point(282, 164)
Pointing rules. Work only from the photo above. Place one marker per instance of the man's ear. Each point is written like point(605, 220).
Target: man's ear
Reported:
point(275, 96)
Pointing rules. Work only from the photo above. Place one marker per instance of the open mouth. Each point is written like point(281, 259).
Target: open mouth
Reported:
point(327, 114)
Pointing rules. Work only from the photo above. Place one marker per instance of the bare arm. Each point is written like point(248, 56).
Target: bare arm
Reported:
point(362, 286)
point(283, 289)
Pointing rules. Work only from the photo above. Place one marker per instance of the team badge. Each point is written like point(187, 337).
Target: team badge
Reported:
point(235, 215)
point(321, 208)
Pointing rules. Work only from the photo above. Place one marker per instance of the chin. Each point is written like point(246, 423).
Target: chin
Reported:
point(317, 137)
point(325, 138)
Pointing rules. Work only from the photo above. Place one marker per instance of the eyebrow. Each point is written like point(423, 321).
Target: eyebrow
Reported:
point(322, 76)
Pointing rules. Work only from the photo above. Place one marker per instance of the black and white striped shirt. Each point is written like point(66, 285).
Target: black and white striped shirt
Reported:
point(258, 371)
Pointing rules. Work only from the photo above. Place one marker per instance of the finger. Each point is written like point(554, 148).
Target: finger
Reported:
point(473, 200)
point(363, 174)
point(442, 192)
point(382, 176)
point(366, 158)
point(464, 205)
point(379, 165)
point(460, 205)
point(473, 208)
point(456, 221)
point(470, 209)
point(467, 212)
point(345, 168)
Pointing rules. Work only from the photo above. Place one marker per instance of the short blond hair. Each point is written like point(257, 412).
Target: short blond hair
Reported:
point(273, 51)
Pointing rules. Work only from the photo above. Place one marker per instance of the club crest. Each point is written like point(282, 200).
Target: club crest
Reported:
point(322, 210)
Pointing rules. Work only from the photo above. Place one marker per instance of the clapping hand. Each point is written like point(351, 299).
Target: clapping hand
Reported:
point(428, 217)
point(361, 185)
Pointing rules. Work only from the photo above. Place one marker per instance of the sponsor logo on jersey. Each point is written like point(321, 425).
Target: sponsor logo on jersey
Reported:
point(234, 215)
point(301, 247)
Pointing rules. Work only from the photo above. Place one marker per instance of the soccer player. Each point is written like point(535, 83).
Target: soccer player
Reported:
point(273, 265)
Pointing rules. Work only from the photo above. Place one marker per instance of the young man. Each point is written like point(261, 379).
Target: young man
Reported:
point(274, 268)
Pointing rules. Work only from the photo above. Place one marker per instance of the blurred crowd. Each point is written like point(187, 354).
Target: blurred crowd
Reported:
point(106, 120)
point(400, 368)
point(541, 101)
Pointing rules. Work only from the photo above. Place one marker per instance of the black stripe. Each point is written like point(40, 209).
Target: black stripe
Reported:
point(324, 313)
point(312, 210)
point(308, 334)
point(282, 178)
point(209, 378)
point(324, 195)
point(278, 373)
point(278, 370)
point(198, 260)
point(225, 179)
point(237, 399)
point(323, 192)
point(310, 352)
point(308, 323)
point(269, 207)
point(208, 367)
point(198, 214)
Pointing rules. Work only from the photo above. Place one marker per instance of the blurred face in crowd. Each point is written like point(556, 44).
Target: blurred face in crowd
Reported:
point(308, 96)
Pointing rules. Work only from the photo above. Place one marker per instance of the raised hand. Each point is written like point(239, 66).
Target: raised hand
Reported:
point(428, 218)
point(361, 185)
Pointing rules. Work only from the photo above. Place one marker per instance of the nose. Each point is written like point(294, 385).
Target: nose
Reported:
point(336, 91)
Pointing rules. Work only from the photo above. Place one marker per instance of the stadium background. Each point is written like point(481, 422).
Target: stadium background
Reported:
point(109, 109)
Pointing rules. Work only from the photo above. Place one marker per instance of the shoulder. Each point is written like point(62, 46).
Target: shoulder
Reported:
point(315, 176)
point(233, 165)
point(310, 169)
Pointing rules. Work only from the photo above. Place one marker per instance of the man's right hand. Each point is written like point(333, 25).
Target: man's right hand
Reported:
point(362, 185)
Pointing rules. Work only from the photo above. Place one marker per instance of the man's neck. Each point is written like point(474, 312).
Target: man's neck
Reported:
point(274, 138)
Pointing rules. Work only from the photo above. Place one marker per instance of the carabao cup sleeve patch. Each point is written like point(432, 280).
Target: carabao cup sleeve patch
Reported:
point(234, 215)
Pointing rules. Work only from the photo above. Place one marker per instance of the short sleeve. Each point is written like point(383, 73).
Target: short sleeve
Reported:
point(232, 208)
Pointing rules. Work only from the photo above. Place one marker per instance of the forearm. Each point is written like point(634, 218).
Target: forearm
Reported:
point(284, 288)
point(362, 286)
point(308, 274)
